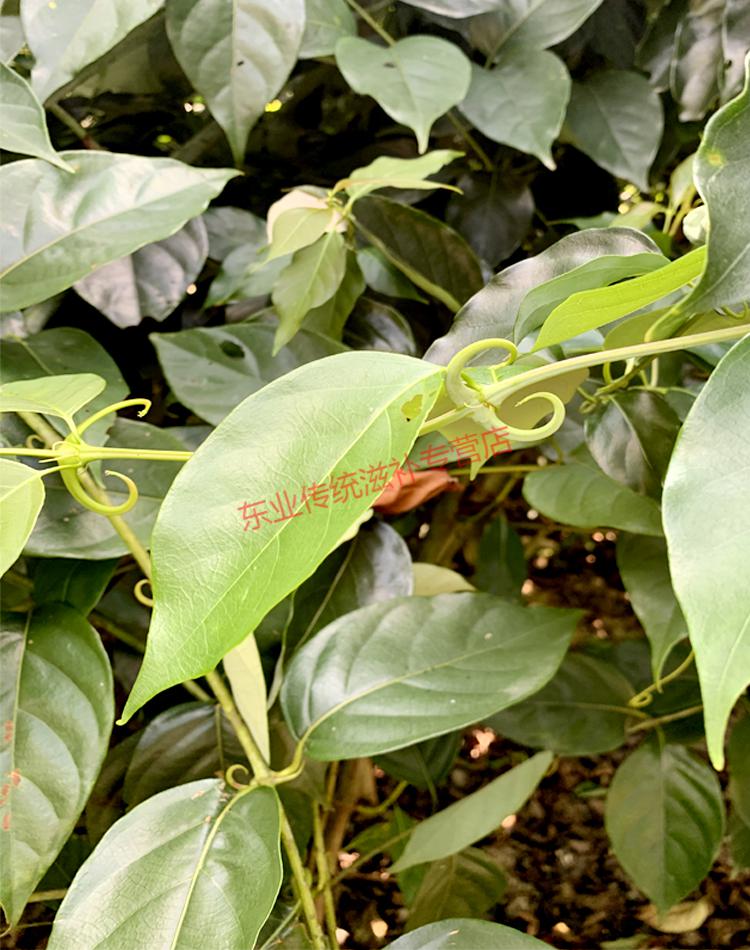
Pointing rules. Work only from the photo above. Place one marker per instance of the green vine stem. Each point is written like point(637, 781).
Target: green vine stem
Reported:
point(324, 875)
point(646, 696)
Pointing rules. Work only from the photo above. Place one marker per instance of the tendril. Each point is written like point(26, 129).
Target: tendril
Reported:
point(230, 773)
point(71, 480)
point(456, 386)
point(529, 436)
point(145, 403)
point(140, 596)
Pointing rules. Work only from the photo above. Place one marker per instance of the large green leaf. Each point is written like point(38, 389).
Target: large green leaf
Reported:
point(466, 884)
point(60, 396)
point(311, 278)
point(23, 128)
point(21, 500)
point(189, 867)
point(459, 934)
point(110, 207)
point(521, 102)
point(616, 118)
point(456, 827)
point(589, 309)
point(392, 674)
point(721, 177)
point(212, 369)
point(66, 37)
point(407, 173)
point(530, 24)
point(492, 312)
point(57, 708)
point(354, 408)
point(707, 525)
point(326, 21)
point(65, 351)
point(582, 711)
point(414, 80)
point(432, 255)
point(644, 569)
point(186, 742)
point(583, 496)
point(238, 55)
point(665, 819)
point(151, 281)
point(631, 436)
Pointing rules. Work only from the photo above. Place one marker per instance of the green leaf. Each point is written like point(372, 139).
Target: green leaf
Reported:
point(739, 768)
point(298, 228)
point(12, 39)
point(229, 228)
point(432, 255)
point(312, 278)
point(245, 673)
point(66, 529)
point(60, 396)
point(415, 80)
point(493, 311)
point(21, 500)
point(529, 24)
point(57, 710)
point(589, 309)
point(432, 579)
point(330, 317)
point(665, 820)
point(697, 61)
point(79, 584)
point(66, 37)
point(392, 674)
point(387, 172)
point(23, 128)
point(212, 369)
point(160, 868)
point(352, 408)
point(459, 934)
point(583, 496)
point(454, 8)
point(721, 178)
point(644, 569)
point(65, 351)
point(186, 742)
point(531, 83)
point(474, 817)
point(110, 207)
point(616, 118)
point(707, 524)
point(631, 437)
point(376, 326)
point(152, 281)
point(326, 22)
point(424, 764)
point(739, 842)
point(384, 277)
point(502, 563)
point(237, 55)
point(593, 274)
point(575, 713)
point(469, 884)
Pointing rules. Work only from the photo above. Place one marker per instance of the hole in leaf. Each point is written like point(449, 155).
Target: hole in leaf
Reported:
point(411, 409)
point(232, 349)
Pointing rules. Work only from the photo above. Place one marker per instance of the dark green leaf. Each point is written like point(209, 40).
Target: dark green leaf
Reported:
point(393, 674)
point(376, 326)
point(57, 710)
point(79, 584)
point(502, 563)
point(229, 228)
point(425, 764)
point(738, 753)
point(469, 884)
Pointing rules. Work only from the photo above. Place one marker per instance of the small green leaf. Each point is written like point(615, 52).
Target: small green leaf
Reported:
point(326, 22)
point(707, 524)
point(390, 675)
point(474, 817)
point(159, 869)
point(387, 172)
point(57, 710)
point(299, 227)
point(583, 496)
point(582, 711)
point(245, 673)
point(23, 128)
point(469, 884)
point(460, 934)
point(424, 764)
point(616, 118)
point(110, 207)
point(60, 396)
point(502, 562)
point(349, 405)
point(531, 83)
point(21, 500)
point(415, 80)
point(384, 277)
point(237, 55)
point(665, 819)
point(590, 309)
point(312, 278)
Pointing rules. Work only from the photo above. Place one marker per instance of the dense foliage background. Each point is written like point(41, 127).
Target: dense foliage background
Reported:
point(550, 142)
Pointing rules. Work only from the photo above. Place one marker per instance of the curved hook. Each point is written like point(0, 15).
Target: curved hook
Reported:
point(146, 403)
point(140, 596)
point(69, 475)
point(232, 781)
point(528, 436)
point(455, 386)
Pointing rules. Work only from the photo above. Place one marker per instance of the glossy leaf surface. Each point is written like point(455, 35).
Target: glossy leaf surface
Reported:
point(23, 126)
point(459, 934)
